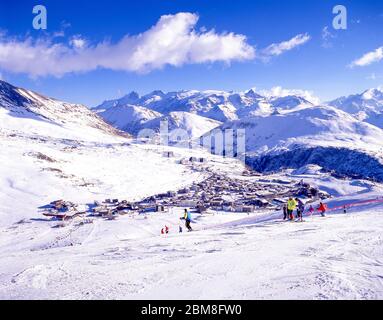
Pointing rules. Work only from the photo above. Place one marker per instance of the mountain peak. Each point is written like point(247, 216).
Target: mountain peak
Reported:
point(252, 94)
point(157, 93)
point(374, 93)
point(133, 95)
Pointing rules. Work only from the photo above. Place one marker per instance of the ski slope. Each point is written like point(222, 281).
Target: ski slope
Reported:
point(53, 150)
point(228, 256)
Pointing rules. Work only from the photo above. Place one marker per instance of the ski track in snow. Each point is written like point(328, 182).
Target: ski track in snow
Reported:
point(338, 257)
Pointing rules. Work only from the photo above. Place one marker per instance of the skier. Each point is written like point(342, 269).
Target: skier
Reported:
point(300, 209)
point(187, 217)
point(291, 205)
point(322, 209)
point(166, 229)
point(311, 210)
point(284, 212)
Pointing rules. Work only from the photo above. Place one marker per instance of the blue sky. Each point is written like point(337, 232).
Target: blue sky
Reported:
point(318, 65)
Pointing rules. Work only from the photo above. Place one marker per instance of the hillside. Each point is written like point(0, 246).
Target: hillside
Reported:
point(288, 140)
point(27, 112)
point(367, 106)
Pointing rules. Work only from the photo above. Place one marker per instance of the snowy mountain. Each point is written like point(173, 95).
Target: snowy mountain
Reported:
point(319, 135)
point(129, 118)
point(217, 105)
point(32, 113)
point(367, 106)
point(193, 124)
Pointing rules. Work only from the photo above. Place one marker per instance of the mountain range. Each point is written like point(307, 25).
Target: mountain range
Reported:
point(282, 131)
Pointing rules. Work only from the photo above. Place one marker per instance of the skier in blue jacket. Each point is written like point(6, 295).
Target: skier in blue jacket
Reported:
point(187, 217)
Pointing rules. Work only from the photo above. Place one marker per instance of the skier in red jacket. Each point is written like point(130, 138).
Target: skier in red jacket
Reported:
point(322, 209)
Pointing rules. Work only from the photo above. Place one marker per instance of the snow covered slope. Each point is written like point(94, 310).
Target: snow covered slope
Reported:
point(307, 136)
point(229, 256)
point(52, 149)
point(27, 112)
point(129, 118)
point(132, 119)
point(367, 106)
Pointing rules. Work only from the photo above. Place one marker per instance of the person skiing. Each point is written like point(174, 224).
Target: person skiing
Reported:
point(291, 206)
point(300, 209)
point(311, 210)
point(322, 209)
point(187, 217)
point(166, 229)
point(285, 212)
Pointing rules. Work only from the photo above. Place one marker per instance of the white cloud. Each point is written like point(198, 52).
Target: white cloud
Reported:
point(77, 42)
point(172, 41)
point(277, 49)
point(282, 92)
point(368, 58)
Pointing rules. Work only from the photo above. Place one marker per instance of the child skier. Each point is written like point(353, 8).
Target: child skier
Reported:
point(311, 210)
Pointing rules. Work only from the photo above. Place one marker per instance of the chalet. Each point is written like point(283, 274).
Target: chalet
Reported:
point(161, 208)
point(183, 191)
point(57, 204)
point(247, 208)
point(184, 161)
point(171, 194)
point(188, 203)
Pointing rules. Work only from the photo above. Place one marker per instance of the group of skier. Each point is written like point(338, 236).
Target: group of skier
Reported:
point(293, 205)
point(296, 205)
point(188, 219)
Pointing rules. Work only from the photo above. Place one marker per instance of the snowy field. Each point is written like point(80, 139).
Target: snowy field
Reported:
point(337, 257)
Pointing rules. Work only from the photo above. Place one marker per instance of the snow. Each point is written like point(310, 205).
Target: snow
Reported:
point(367, 106)
point(129, 118)
point(54, 150)
point(217, 105)
point(337, 257)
